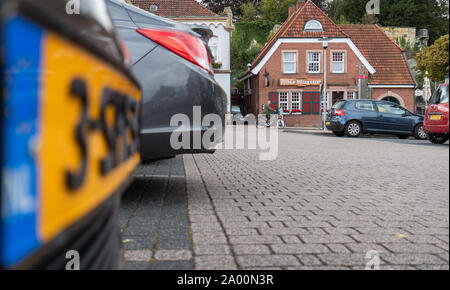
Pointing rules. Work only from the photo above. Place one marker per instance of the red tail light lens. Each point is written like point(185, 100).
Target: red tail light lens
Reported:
point(339, 113)
point(126, 53)
point(183, 44)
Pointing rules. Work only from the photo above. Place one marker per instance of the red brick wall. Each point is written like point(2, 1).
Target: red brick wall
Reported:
point(347, 81)
point(405, 96)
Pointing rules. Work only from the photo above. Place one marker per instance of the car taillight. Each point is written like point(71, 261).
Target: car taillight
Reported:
point(126, 53)
point(339, 113)
point(183, 44)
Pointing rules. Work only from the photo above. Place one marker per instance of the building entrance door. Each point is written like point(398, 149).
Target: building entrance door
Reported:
point(337, 97)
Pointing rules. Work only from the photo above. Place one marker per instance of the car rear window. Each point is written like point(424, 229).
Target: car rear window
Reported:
point(441, 95)
point(365, 106)
point(339, 105)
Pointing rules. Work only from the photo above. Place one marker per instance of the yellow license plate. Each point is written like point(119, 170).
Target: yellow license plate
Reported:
point(328, 123)
point(435, 117)
point(83, 152)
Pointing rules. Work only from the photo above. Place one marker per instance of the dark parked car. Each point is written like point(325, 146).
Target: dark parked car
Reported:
point(238, 115)
point(64, 158)
point(173, 63)
point(437, 116)
point(356, 117)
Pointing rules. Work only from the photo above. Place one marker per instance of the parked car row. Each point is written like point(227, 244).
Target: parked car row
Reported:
point(86, 95)
point(436, 123)
point(353, 118)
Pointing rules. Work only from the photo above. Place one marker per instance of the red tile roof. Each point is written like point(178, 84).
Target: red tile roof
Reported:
point(382, 53)
point(175, 8)
point(293, 27)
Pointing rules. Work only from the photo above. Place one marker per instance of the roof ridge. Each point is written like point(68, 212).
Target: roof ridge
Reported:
point(296, 13)
point(390, 39)
point(187, 7)
point(327, 17)
point(283, 27)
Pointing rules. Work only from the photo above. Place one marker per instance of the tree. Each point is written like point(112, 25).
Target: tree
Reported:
point(247, 41)
point(434, 59)
point(273, 9)
point(428, 14)
point(218, 6)
point(249, 12)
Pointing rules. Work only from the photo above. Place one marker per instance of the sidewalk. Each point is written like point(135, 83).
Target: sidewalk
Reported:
point(307, 130)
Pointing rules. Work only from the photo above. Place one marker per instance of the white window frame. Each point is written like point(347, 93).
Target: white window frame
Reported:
point(299, 102)
point(319, 62)
point(354, 95)
point(334, 62)
point(217, 54)
point(313, 25)
point(284, 61)
point(282, 103)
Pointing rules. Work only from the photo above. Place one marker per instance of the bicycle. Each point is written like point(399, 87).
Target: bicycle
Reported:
point(280, 122)
point(277, 122)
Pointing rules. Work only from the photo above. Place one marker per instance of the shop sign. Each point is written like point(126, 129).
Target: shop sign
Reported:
point(300, 82)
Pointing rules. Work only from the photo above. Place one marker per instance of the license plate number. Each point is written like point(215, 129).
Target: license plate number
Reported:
point(435, 117)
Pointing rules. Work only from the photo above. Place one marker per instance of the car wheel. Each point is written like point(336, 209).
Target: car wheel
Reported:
point(419, 132)
point(338, 134)
point(402, 137)
point(437, 139)
point(353, 129)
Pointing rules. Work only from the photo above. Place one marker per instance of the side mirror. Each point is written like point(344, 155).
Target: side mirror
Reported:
point(406, 114)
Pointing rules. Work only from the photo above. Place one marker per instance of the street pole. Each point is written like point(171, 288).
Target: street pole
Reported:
point(324, 98)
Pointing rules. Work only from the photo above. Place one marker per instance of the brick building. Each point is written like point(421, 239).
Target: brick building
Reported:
point(362, 62)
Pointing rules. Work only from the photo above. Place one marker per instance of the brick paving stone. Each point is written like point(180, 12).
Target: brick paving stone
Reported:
point(138, 256)
point(173, 255)
point(251, 249)
point(201, 250)
point(267, 260)
point(215, 262)
point(322, 204)
point(299, 249)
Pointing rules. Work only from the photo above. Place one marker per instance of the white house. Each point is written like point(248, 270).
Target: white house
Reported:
point(192, 12)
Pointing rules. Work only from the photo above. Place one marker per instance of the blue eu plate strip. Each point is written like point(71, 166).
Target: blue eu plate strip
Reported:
point(20, 124)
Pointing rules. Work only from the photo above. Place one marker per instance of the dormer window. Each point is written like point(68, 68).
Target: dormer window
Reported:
point(313, 26)
point(153, 8)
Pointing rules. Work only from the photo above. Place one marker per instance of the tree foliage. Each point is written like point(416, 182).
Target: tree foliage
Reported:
point(434, 59)
point(270, 10)
point(218, 6)
point(429, 14)
point(255, 25)
point(248, 40)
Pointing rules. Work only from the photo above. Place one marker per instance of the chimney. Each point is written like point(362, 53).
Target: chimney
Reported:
point(300, 3)
point(292, 10)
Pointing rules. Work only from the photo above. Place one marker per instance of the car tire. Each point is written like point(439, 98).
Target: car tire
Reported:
point(419, 133)
point(353, 129)
point(402, 137)
point(338, 134)
point(437, 139)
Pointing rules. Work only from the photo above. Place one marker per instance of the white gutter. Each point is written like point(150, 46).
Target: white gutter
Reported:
point(280, 41)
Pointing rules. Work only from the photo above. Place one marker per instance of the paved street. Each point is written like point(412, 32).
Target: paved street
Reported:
point(323, 204)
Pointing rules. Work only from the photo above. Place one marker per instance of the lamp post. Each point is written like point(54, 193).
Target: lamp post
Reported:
point(324, 97)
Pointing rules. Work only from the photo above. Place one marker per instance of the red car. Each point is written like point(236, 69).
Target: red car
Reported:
point(436, 119)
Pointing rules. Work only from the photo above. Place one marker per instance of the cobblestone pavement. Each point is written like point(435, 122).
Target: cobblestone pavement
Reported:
point(323, 204)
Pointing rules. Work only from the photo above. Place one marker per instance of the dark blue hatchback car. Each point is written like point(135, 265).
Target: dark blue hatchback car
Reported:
point(356, 117)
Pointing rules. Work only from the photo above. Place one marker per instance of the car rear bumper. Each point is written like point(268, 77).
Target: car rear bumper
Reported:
point(436, 129)
point(175, 89)
point(335, 126)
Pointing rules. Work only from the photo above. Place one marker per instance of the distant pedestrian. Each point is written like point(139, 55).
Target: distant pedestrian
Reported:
point(267, 109)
